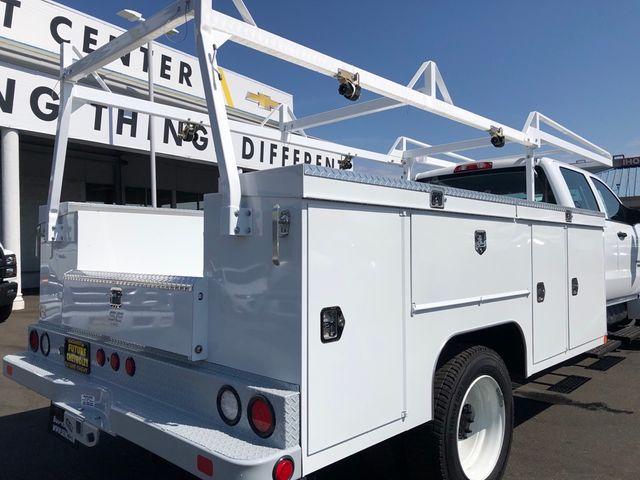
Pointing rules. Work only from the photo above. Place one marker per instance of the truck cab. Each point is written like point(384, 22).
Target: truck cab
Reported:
point(8, 286)
point(566, 186)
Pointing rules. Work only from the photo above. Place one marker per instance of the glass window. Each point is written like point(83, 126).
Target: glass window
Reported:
point(511, 182)
point(164, 199)
point(99, 193)
point(190, 201)
point(544, 193)
point(615, 210)
point(141, 197)
point(579, 188)
point(136, 196)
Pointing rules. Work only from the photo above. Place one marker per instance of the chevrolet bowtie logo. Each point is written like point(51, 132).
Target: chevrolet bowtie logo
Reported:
point(263, 101)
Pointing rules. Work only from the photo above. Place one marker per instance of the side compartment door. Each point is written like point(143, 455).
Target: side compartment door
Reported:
point(587, 316)
point(550, 322)
point(355, 262)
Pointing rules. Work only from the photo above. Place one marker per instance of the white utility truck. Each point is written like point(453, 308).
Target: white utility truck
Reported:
point(314, 312)
point(565, 185)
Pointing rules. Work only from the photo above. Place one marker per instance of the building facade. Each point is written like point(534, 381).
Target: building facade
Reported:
point(624, 179)
point(108, 158)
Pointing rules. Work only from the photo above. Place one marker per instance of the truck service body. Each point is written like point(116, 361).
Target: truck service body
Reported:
point(311, 312)
point(569, 186)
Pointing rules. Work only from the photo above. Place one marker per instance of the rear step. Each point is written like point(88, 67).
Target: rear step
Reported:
point(569, 384)
point(627, 334)
point(605, 348)
point(605, 363)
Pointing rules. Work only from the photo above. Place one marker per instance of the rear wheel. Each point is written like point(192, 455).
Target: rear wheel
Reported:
point(473, 416)
point(5, 312)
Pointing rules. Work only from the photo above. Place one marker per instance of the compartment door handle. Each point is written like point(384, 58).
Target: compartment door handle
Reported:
point(280, 222)
point(574, 286)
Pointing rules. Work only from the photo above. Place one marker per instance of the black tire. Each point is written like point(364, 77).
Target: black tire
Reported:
point(452, 380)
point(5, 312)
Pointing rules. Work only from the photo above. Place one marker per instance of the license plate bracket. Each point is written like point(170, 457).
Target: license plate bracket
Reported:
point(61, 427)
point(77, 355)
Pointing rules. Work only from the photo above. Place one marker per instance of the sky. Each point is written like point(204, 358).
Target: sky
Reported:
point(576, 61)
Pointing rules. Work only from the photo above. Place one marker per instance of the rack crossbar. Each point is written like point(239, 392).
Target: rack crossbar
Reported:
point(276, 46)
point(162, 22)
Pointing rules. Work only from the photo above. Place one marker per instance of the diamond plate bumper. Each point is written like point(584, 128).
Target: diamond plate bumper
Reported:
point(181, 436)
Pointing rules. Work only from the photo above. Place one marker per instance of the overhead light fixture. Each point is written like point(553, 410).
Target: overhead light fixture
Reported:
point(135, 16)
point(131, 15)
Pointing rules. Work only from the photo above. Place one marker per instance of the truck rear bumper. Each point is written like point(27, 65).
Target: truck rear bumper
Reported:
point(183, 439)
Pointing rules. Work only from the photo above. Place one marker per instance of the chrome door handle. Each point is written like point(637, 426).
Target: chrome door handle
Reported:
point(622, 235)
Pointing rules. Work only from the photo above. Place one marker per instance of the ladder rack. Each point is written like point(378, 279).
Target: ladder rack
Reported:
point(213, 29)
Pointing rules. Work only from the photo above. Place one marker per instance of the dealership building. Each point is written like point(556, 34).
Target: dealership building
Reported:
point(624, 179)
point(108, 158)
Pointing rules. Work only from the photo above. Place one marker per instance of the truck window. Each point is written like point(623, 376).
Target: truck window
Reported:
point(579, 188)
point(510, 182)
point(615, 210)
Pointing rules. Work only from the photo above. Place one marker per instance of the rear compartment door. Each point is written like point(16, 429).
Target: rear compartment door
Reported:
point(586, 293)
point(355, 384)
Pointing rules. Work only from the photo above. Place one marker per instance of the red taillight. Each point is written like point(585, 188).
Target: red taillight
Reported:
point(283, 469)
point(9, 370)
point(114, 361)
point(467, 167)
point(261, 416)
point(130, 366)
point(205, 465)
point(100, 357)
point(34, 341)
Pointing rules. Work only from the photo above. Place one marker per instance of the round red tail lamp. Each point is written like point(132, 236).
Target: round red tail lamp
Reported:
point(34, 341)
point(101, 358)
point(284, 469)
point(262, 418)
point(114, 361)
point(130, 366)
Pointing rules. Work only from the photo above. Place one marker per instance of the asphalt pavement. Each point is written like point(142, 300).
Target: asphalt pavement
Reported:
point(592, 433)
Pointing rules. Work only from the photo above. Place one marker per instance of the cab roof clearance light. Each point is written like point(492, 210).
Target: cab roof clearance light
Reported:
point(468, 167)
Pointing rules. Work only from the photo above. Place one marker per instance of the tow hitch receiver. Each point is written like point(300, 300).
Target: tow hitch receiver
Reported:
point(72, 427)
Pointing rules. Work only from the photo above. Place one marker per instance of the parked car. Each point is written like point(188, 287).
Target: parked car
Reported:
point(8, 287)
